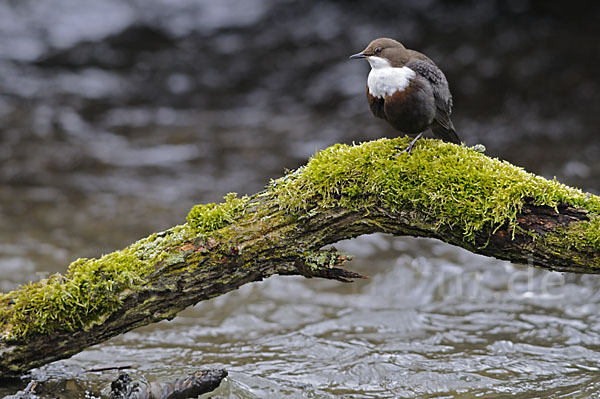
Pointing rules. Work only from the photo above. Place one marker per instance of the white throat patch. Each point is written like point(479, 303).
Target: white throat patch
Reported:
point(385, 80)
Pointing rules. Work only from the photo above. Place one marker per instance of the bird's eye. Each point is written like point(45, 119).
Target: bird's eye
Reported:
point(378, 50)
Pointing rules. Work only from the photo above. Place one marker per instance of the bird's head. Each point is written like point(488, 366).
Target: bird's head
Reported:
point(383, 53)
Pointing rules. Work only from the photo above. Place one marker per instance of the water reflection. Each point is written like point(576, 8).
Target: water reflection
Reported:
point(116, 117)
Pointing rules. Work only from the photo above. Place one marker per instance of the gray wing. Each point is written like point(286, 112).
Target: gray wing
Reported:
point(439, 84)
point(442, 126)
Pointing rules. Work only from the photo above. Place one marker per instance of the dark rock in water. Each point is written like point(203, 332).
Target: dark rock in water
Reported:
point(200, 382)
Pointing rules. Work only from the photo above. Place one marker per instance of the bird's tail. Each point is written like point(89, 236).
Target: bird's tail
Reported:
point(444, 133)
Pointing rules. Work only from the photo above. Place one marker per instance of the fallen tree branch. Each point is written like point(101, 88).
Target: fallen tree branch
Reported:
point(441, 191)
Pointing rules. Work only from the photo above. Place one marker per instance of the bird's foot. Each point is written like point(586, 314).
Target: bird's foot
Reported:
point(408, 149)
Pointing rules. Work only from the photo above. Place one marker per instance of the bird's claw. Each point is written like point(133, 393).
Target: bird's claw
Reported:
point(401, 150)
point(409, 148)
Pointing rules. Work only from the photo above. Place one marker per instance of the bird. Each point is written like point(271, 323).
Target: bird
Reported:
point(408, 90)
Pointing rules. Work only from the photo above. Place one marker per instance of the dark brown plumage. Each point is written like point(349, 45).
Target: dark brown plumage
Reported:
point(408, 90)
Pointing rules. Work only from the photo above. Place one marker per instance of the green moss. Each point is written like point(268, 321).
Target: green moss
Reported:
point(89, 291)
point(92, 288)
point(210, 217)
point(577, 235)
point(590, 232)
point(329, 258)
point(455, 186)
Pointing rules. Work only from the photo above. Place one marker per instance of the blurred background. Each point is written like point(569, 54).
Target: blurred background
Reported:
point(117, 116)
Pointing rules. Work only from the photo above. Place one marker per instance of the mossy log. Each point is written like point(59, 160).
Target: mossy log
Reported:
point(442, 191)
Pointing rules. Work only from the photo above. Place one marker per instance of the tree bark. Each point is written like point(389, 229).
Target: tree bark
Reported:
point(264, 239)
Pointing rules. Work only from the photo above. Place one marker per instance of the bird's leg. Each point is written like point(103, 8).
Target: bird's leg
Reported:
point(410, 146)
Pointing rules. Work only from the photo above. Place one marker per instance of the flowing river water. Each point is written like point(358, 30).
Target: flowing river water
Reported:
point(117, 116)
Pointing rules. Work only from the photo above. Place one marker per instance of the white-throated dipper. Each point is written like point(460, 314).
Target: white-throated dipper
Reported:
point(408, 90)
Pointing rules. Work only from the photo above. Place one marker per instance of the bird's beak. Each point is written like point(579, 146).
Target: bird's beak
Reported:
point(357, 56)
